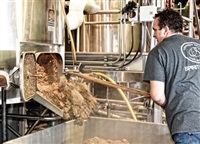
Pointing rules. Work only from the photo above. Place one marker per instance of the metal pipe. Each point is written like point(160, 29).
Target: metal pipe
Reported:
point(100, 11)
point(96, 54)
point(35, 123)
point(191, 10)
point(107, 103)
point(108, 12)
point(124, 41)
point(121, 93)
point(78, 40)
point(197, 17)
point(4, 120)
point(13, 131)
point(40, 44)
point(118, 101)
point(102, 112)
point(53, 123)
point(84, 37)
point(100, 61)
point(94, 23)
point(30, 117)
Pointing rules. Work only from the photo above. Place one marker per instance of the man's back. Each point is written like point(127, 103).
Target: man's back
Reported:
point(177, 64)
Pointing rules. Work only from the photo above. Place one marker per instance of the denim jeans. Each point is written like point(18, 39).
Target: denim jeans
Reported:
point(187, 138)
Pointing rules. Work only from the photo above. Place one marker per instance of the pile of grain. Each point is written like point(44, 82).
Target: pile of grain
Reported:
point(73, 97)
point(29, 72)
point(97, 140)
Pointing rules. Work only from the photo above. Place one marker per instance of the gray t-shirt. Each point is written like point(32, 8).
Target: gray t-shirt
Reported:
point(176, 62)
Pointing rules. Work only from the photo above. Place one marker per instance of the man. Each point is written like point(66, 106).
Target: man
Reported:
point(173, 71)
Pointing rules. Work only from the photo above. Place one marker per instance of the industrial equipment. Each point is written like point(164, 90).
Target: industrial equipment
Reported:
point(31, 31)
point(72, 132)
point(41, 45)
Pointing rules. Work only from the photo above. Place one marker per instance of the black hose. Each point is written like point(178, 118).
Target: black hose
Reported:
point(138, 50)
point(132, 45)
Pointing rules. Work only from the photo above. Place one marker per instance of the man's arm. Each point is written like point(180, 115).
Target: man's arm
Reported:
point(157, 92)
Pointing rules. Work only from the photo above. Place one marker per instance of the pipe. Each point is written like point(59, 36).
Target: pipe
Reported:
point(191, 15)
point(75, 13)
point(121, 92)
point(4, 115)
point(180, 4)
point(13, 131)
point(101, 22)
point(69, 32)
point(108, 12)
point(197, 17)
point(119, 101)
point(31, 117)
point(35, 123)
point(102, 112)
point(124, 42)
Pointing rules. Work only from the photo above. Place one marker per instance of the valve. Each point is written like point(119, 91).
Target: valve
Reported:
point(4, 79)
point(3, 82)
point(130, 9)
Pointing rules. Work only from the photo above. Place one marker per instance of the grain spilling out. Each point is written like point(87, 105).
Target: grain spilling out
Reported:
point(72, 97)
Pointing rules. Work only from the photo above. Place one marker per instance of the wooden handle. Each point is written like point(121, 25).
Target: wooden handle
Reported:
point(109, 84)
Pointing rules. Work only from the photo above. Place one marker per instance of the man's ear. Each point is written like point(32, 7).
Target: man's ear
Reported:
point(166, 30)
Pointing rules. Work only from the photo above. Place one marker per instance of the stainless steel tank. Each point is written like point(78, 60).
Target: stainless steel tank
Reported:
point(103, 32)
point(33, 25)
point(72, 132)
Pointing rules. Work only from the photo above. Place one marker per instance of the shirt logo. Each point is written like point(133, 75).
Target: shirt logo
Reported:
point(191, 51)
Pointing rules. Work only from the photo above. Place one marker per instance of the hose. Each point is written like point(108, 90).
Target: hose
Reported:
point(132, 45)
point(136, 56)
point(121, 92)
point(69, 31)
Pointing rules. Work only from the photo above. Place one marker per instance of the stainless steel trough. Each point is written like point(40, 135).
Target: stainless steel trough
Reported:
point(72, 132)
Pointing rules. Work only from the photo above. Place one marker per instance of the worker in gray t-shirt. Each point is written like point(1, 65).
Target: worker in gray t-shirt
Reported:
point(173, 71)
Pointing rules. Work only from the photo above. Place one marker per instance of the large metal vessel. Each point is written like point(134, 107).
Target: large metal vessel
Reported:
point(29, 26)
point(72, 132)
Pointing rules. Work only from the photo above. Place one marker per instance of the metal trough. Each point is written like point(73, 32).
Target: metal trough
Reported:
point(72, 132)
